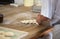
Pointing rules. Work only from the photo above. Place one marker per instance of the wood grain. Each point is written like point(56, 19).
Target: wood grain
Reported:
point(9, 11)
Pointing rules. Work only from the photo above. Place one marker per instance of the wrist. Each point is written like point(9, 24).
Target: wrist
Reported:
point(44, 18)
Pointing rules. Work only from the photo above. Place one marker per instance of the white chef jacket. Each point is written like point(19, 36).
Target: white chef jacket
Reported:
point(51, 10)
point(48, 8)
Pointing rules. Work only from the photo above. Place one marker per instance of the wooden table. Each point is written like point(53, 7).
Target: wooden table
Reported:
point(32, 29)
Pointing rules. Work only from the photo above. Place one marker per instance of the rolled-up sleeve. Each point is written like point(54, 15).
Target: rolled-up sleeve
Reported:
point(47, 9)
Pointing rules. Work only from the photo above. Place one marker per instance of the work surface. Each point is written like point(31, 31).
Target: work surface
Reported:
point(31, 29)
point(13, 16)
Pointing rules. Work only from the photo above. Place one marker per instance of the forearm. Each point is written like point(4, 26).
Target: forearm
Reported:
point(47, 10)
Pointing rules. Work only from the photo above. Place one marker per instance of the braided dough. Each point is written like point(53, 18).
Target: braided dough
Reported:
point(29, 21)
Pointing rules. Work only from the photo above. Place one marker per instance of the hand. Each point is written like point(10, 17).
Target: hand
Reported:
point(45, 33)
point(41, 18)
point(49, 30)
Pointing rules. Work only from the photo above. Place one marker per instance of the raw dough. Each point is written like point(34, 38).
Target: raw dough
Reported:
point(29, 21)
point(9, 34)
point(2, 32)
point(3, 37)
point(25, 21)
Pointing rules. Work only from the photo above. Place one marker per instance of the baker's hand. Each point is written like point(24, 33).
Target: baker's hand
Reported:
point(46, 33)
point(41, 18)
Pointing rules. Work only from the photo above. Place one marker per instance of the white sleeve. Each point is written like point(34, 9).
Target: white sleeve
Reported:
point(46, 9)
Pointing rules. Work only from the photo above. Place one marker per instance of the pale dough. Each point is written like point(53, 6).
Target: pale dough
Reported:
point(9, 34)
point(25, 21)
point(6, 35)
point(3, 37)
point(29, 21)
point(2, 32)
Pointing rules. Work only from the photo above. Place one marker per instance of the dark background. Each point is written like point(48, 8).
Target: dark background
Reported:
point(6, 1)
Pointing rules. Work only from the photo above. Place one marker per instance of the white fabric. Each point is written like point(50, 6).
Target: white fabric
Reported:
point(45, 8)
point(48, 8)
point(51, 9)
point(50, 35)
point(56, 32)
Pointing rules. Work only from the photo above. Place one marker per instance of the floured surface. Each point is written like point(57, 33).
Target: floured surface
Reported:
point(11, 19)
point(18, 17)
